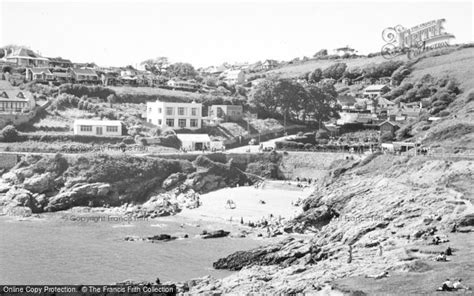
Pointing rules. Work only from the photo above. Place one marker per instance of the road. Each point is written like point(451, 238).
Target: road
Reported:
point(255, 148)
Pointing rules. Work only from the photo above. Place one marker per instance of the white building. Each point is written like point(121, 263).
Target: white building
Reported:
point(192, 142)
point(174, 115)
point(87, 127)
point(232, 77)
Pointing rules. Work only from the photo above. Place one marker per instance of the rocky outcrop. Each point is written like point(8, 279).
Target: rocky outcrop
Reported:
point(82, 195)
point(212, 175)
point(155, 238)
point(173, 180)
point(214, 234)
point(39, 183)
point(286, 253)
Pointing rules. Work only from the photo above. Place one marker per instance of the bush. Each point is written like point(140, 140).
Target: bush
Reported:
point(128, 140)
point(386, 137)
point(322, 134)
point(9, 133)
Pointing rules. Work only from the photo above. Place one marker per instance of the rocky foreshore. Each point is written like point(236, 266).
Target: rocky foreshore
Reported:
point(375, 219)
point(147, 187)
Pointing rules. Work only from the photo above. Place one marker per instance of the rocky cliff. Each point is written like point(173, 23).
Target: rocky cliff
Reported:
point(54, 183)
point(386, 209)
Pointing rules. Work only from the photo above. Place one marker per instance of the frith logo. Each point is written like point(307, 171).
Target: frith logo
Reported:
point(415, 40)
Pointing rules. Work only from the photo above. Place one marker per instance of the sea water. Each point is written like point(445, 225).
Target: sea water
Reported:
point(50, 250)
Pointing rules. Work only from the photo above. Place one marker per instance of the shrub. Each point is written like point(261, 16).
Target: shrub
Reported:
point(9, 133)
point(322, 134)
point(386, 137)
point(128, 140)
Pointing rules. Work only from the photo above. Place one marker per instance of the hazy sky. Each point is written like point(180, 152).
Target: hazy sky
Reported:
point(209, 33)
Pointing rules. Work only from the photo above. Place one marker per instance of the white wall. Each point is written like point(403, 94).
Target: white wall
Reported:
point(93, 132)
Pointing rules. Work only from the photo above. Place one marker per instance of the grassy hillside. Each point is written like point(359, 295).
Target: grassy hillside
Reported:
point(153, 91)
point(296, 70)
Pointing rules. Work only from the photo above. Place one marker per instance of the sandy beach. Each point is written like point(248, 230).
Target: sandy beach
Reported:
point(278, 198)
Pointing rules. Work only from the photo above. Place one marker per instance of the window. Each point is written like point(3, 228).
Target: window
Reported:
point(181, 111)
point(86, 128)
point(159, 110)
point(149, 109)
point(194, 111)
point(159, 121)
point(193, 123)
point(170, 122)
point(169, 110)
point(111, 129)
point(182, 123)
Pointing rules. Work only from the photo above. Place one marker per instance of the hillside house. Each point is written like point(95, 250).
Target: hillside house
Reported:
point(175, 115)
point(232, 77)
point(62, 77)
point(60, 63)
point(373, 91)
point(269, 64)
point(383, 103)
point(225, 112)
point(26, 58)
point(347, 102)
point(344, 50)
point(388, 126)
point(16, 101)
point(88, 127)
point(84, 75)
point(183, 85)
point(191, 142)
point(39, 74)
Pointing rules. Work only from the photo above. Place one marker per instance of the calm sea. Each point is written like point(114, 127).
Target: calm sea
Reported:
point(57, 251)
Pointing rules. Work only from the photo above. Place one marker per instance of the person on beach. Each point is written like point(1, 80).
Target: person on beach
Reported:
point(446, 286)
point(459, 286)
point(380, 250)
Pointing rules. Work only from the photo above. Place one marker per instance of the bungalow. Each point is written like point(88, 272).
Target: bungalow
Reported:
point(62, 77)
point(84, 75)
point(184, 85)
point(192, 142)
point(13, 102)
point(269, 64)
point(346, 101)
point(373, 91)
point(388, 126)
point(87, 127)
point(383, 103)
point(344, 50)
point(59, 63)
point(26, 58)
point(39, 74)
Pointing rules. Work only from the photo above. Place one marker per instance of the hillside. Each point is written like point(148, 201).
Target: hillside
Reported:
point(391, 203)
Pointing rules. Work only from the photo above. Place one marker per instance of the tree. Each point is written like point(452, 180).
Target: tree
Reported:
point(321, 53)
point(321, 102)
point(182, 70)
point(335, 71)
point(112, 99)
point(9, 133)
point(315, 76)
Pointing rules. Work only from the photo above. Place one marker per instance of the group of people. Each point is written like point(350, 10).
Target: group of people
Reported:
point(448, 285)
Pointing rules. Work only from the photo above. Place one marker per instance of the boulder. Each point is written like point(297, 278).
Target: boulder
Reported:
point(173, 180)
point(20, 197)
point(215, 234)
point(466, 220)
point(39, 183)
point(81, 195)
point(162, 237)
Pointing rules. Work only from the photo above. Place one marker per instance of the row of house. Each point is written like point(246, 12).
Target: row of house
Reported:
point(69, 75)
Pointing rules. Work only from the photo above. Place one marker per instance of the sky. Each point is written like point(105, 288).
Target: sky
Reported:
point(119, 33)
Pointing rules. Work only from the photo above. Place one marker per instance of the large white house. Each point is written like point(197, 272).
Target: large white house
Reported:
point(174, 115)
point(88, 127)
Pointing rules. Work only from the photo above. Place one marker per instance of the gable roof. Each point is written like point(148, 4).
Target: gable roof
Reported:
point(13, 95)
point(84, 71)
point(346, 100)
point(390, 122)
point(384, 101)
point(39, 70)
